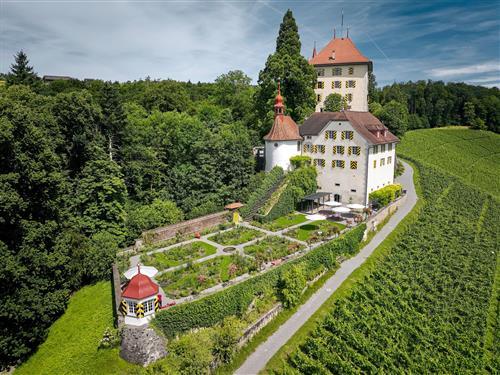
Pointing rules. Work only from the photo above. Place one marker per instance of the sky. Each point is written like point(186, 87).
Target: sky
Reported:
point(200, 40)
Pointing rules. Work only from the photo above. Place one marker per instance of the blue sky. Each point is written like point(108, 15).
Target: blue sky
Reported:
point(199, 40)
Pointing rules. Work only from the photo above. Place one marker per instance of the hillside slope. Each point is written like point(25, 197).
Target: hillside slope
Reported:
point(471, 155)
point(430, 304)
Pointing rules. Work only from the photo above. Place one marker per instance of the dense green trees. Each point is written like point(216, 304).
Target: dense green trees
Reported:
point(21, 72)
point(296, 75)
point(334, 103)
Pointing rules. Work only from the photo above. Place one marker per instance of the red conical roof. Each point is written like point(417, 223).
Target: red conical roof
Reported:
point(284, 128)
point(339, 51)
point(140, 286)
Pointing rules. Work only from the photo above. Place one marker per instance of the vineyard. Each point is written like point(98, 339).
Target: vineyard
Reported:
point(428, 307)
point(469, 154)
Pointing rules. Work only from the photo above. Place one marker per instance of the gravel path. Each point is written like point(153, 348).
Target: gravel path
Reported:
point(259, 358)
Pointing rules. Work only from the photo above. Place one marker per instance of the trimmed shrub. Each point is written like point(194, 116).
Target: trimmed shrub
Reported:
point(300, 161)
point(270, 181)
point(386, 195)
point(235, 300)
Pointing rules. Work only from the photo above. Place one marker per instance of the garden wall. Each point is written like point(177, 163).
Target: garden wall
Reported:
point(377, 218)
point(117, 296)
point(185, 227)
point(259, 324)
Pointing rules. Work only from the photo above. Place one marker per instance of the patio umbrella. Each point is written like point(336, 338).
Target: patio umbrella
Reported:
point(145, 270)
point(355, 206)
point(341, 210)
point(333, 203)
point(315, 217)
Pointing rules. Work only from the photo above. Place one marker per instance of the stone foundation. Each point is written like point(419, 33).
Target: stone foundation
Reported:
point(142, 345)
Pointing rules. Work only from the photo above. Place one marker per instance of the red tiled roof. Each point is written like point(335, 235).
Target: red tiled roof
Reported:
point(345, 53)
point(139, 287)
point(233, 206)
point(284, 129)
point(366, 124)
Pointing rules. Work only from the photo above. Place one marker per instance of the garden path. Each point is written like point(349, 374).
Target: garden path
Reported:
point(257, 361)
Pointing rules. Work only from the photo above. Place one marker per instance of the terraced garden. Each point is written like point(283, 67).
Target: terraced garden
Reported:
point(316, 231)
point(236, 236)
point(281, 222)
point(199, 276)
point(271, 248)
point(178, 255)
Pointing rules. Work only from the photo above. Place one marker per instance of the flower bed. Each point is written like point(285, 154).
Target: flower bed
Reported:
point(315, 231)
point(178, 255)
point(271, 248)
point(281, 222)
point(236, 236)
point(199, 276)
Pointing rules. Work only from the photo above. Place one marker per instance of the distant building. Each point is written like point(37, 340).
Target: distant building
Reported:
point(56, 78)
point(342, 69)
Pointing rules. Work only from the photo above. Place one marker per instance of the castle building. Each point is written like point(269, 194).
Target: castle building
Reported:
point(342, 69)
point(353, 152)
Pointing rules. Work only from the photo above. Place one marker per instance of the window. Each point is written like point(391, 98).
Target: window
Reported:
point(321, 148)
point(382, 148)
point(320, 85)
point(149, 305)
point(337, 184)
point(389, 159)
point(348, 97)
point(375, 149)
point(354, 150)
point(338, 150)
point(298, 145)
point(131, 307)
point(308, 137)
point(307, 147)
point(338, 164)
point(321, 72)
point(276, 145)
point(336, 85)
point(331, 134)
point(337, 71)
point(351, 84)
point(347, 134)
point(374, 164)
point(382, 162)
point(318, 98)
point(319, 163)
point(351, 70)
point(390, 146)
point(353, 190)
point(354, 164)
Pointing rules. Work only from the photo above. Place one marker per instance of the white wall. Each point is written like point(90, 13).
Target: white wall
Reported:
point(346, 178)
point(279, 153)
point(360, 92)
point(380, 176)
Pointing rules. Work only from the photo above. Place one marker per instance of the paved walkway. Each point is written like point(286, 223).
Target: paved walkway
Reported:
point(258, 359)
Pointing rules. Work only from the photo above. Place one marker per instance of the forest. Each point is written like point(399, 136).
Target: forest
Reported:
point(86, 165)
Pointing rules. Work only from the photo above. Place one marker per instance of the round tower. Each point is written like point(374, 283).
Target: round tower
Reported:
point(283, 140)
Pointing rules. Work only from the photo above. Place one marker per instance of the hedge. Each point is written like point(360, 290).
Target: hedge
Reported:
point(272, 178)
point(235, 300)
point(300, 183)
point(387, 194)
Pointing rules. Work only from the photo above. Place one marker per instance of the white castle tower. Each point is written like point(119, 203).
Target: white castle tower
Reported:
point(283, 140)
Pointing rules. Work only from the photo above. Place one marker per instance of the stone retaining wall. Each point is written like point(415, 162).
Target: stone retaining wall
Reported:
point(377, 218)
point(142, 345)
point(185, 227)
point(117, 296)
point(259, 324)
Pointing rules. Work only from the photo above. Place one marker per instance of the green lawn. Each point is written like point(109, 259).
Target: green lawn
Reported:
point(199, 276)
point(271, 248)
point(282, 222)
point(71, 345)
point(236, 236)
point(315, 231)
point(178, 255)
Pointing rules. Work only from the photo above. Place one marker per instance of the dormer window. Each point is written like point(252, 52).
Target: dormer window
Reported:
point(377, 134)
point(384, 133)
point(332, 57)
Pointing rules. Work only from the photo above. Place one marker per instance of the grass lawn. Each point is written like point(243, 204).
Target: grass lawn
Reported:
point(281, 222)
point(71, 345)
point(315, 231)
point(178, 255)
point(236, 236)
point(199, 276)
point(271, 248)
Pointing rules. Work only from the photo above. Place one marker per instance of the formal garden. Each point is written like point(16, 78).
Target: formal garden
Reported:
point(316, 231)
point(236, 236)
point(272, 248)
point(282, 222)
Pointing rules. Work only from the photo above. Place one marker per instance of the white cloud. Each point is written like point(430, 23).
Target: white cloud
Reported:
point(493, 66)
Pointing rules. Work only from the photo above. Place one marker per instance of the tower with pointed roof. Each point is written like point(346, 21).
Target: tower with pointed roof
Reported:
point(283, 140)
point(342, 69)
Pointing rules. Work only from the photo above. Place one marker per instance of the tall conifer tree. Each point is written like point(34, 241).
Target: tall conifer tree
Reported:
point(296, 75)
point(21, 73)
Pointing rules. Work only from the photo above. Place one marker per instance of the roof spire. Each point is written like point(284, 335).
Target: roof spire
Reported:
point(138, 268)
point(334, 33)
point(279, 107)
point(314, 50)
point(347, 32)
point(342, 25)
